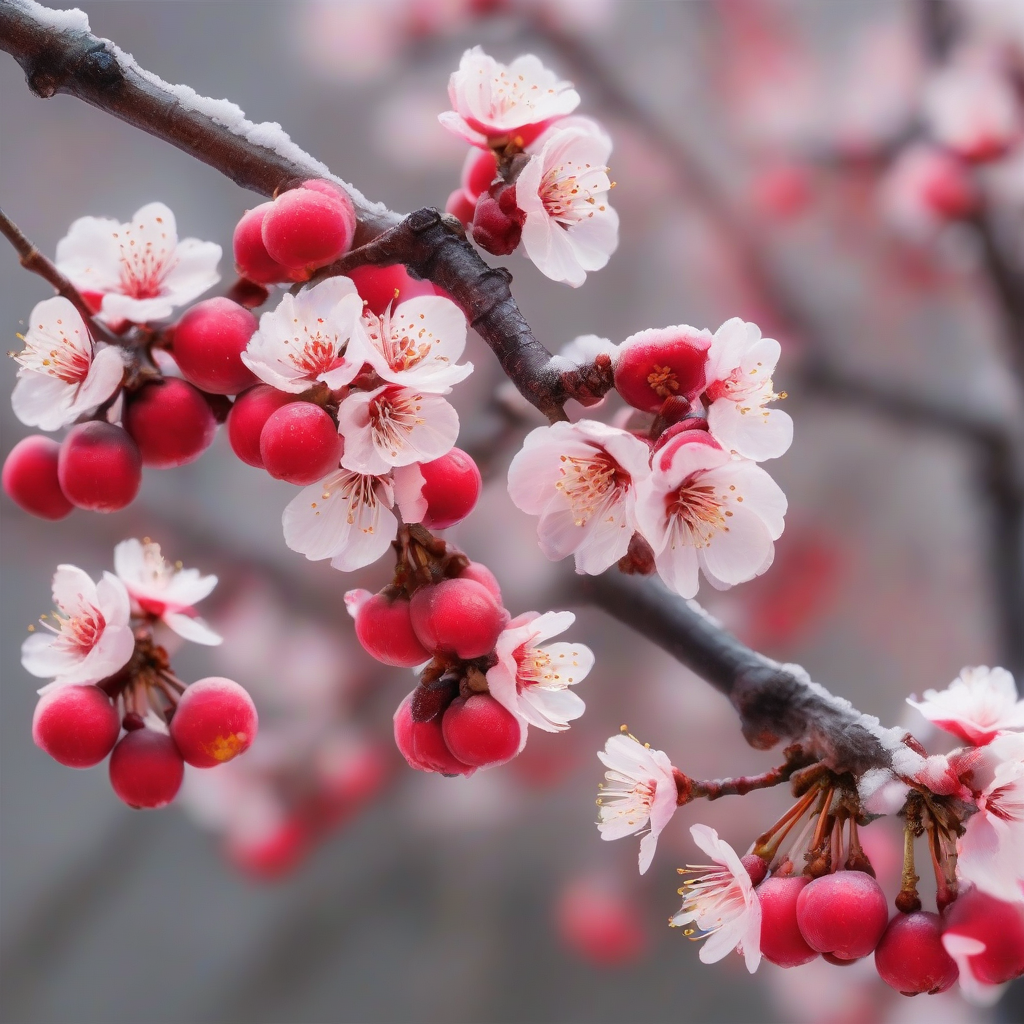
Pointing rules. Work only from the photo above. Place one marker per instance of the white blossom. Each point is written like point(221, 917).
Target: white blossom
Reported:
point(531, 679)
point(720, 903)
point(492, 100)
point(640, 790)
point(417, 343)
point(570, 227)
point(167, 591)
point(739, 386)
point(305, 339)
point(979, 704)
point(702, 510)
point(88, 638)
point(581, 479)
point(395, 426)
point(138, 271)
point(62, 373)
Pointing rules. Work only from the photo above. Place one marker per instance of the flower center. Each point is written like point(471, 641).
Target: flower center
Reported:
point(145, 266)
point(315, 353)
point(697, 510)
point(57, 355)
point(79, 634)
point(402, 348)
point(590, 482)
point(712, 899)
point(627, 798)
point(565, 195)
point(393, 418)
point(663, 381)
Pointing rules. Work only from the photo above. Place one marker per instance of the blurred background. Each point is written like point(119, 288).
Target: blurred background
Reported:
point(761, 160)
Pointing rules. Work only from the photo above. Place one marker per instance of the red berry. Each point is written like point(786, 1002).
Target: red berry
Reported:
point(781, 941)
point(208, 344)
point(100, 467)
point(252, 260)
point(479, 171)
point(384, 628)
point(76, 725)
point(600, 924)
point(171, 422)
point(480, 731)
point(479, 572)
point(30, 478)
point(498, 221)
point(146, 769)
point(911, 958)
point(214, 722)
point(337, 194)
point(381, 286)
point(422, 743)
point(300, 443)
point(305, 229)
point(996, 924)
point(843, 914)
point(248, 417)
point(451, 487)
point(663, 363)
point(756, 866)
point(273, 853)
point(457, 616)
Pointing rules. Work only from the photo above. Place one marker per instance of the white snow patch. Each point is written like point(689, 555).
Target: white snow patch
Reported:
point(69, 20)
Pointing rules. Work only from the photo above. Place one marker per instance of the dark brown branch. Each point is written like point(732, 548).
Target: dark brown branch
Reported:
point(33, 260)
point(773, 701)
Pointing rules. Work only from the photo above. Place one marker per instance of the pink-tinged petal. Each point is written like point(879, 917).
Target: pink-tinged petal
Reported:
point(42, 401)
point(194, 270)
point(42, 659)
point(103, 380)
point(459, 126)
point(113, 601)
point(191, 628)
point(370, 538)
point(737, 551)
point(89, 254)
point(111, 652)
point(409, 498)
point(648, 846)
point(73, 590)
point(751, 431)
point(962, 948)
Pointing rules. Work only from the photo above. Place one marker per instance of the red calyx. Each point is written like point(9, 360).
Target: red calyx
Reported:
point(498, 221)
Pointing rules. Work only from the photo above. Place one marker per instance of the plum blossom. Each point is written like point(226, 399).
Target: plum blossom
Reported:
point(532, 681)
point(581, 479)
point(739, 386)
point(89, 638)
point(347, 517)
point(989, 851)
point(417, 343)
point(395, 426)
point(972, 109)
point(641, 792)
point(62, 373)
point(702, 510)
point(167, 591)
point(978, 705)
point(137, 271)
point(305, 339)
point(721, 903)
point(570, 228)
point(491, 100)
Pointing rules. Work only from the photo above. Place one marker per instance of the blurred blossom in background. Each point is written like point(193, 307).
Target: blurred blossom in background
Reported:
point(317, 878)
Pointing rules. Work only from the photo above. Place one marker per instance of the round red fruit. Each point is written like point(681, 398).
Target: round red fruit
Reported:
point(381, 286)
point(998, 926)
point(252, 261)
point(171, 422)
point(451, 488)
point(911, 958)
point(214, 722)
point(384, 628)
point(76, 725)
point(457, 617)
point(100, 467)
point(843, 914)
point(662, 363)
point(479, 171)
point(146, 769)
point(305, 229)
point(480, 731)
point(300, 443)
point(460, 206)
point(30, 478)
point(249, 416)
point(479, 573)
point(781, 941)
point(422, 743)
point(208, 344)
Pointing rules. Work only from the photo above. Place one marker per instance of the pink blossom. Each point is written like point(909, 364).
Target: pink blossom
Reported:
point(89, 638)
point(641, 791)
point(570, 227)
point(720, 903)
point(978, 705)
point(140, 270)
point(62, 374)
point(581, 479)
point(167, 591)
point(702, 510)
point(491, 100)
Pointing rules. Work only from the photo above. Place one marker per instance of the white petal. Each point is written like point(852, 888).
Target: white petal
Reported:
point(191, 628)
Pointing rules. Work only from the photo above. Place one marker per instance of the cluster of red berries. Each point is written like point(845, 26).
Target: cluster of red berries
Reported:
point(450, 723)
point(207, 724)
point(486, 205)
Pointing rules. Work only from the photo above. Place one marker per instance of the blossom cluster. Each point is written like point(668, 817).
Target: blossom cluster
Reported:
point(108, 673)
point(801, 891)
point(538, 174)
point(680, 474)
